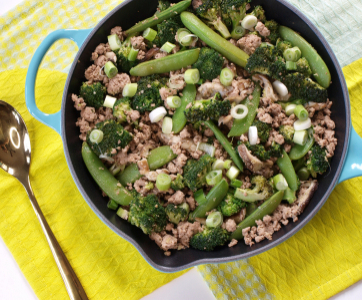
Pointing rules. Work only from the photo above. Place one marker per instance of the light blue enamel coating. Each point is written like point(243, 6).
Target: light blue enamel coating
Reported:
point(352, 166)
point(51, 120)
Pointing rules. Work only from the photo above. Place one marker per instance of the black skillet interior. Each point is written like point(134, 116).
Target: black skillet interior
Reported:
point(126, 15)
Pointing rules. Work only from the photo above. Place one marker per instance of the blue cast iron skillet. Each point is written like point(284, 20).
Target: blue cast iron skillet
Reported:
point(345, 164)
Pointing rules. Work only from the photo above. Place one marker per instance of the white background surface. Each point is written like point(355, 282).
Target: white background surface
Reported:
point(14, 286)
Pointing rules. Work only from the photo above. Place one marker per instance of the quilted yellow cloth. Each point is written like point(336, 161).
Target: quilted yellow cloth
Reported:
point(322, 259)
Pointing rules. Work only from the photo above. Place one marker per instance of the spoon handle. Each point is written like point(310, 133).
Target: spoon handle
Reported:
point(71, 281)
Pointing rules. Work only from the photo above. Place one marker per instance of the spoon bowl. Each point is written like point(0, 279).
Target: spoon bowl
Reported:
point(15, 157)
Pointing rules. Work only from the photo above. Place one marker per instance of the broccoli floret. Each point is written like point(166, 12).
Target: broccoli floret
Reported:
point(93, 94)
point(163, 5)
point(147, 213)
point(231, 205)
point(263, 130)
point(259, 151)
point(210, 238)
point(148, 95)
point(178, 183)
point(283, 45)
point(209, 63)
point(120, 107)
point(195, 172)
point(210, 10)
point(177, 213)
point(261, 191)
point(287, 131)
point(114, 138)
point(259, 12)
point(318, 162)
point(304, 67)
point(202, 110)
point(233, 11)
point(123, 64)
point(166, 32)
point(302, 87)
point(273, 26)
point(275, 150)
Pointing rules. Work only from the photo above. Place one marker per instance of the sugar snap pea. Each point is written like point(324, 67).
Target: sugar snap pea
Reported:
point(265, 209)
point(226, 144)
point(129, 175)
point(241, 126)
point(213, 199)
point(298, 151)
point(104, 178)
point(317, 64)
point(178, 118)
point(286, 167)
point(166, 64)
point(154, 20)
point(160, 156)
point(214, 40)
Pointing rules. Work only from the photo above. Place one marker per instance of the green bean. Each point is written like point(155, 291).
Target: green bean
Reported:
point(286, 167)
point(301, 113)
point(160, 156)
point(226, 144)
point(289, 195)
point(303, 174)
point(266, 208)
point(129, 175)
point(214, 40)
point(213, 199)
point(154, 20)
point(178, 118)
point(318, 66)
point(166, 64)
point(104, 178)
point(241, 126)
point(298, 151)
point(113, 205)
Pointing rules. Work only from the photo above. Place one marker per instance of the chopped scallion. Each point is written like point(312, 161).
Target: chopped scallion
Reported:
point(214, 177)
point(167, 125)
point(96, 136)
point(109, 101)
point(163, 182)
point(289, 110)
point(233, 173)
point(218, 165)
point(129, 90)
point(110, 69)
point(280, 182)
point(300, 137)
point(174, 101)
point(114, 42)
point(112, 204)
point(192, 76)
point(150, 34)
point(133, 53)
point(214, 219)
point(167, 47)
point(226, 76)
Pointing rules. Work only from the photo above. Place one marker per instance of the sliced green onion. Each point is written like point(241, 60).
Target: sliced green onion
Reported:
point(238, 32)
point(302, 125)
point(226, 76)
point(149, 34)
point(301, 113)
point(227, 164)
point(209, 149)
point(200, 197)
point(292, 54)
point(112, 204)
point(303, 173)
point(115, 169)
point(157, 114)
point(289, 110)
point(253, 135)
point(234, 112)
point(167, 125)
point(280, 88)
point(233, 173)
point(214, 219)
point(174, 101)
point(122, 213)
point(132, 56)
point(129, 90)
point(236, 183)
point(291, 65)
point(110, 69)
point(249, 22)
point(218, 165)
point(185, 38)
point(214, 177)
point(114, 42)
point(300, 137)
point(163, 182)
point(167, 47)
point(109, 101)
point(192, 76)
point(280, 182)
point(96, 136)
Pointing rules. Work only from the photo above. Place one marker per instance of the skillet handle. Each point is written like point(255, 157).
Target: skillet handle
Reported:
point(51, 120)
point(353, 163)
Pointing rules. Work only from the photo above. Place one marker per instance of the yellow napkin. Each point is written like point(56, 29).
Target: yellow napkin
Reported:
point(108, 266)
point(322, 259)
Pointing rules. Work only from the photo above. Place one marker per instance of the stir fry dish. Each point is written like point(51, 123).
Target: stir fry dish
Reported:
point(206, 124)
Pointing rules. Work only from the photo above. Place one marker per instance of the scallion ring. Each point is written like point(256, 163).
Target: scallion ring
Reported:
point(157, 114)
point(192, 76)
point(167, 125)
point(233, 173)
point(129, 90)
point(226, 76)
point(96, 136)
point(173, 101)
point(214, 177)
point(214, 219)
point(235, 111)
point(150, 34)
point(163, 182)
point(110, 69)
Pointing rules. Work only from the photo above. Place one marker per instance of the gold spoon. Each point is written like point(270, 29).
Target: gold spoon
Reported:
point(15, 159)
